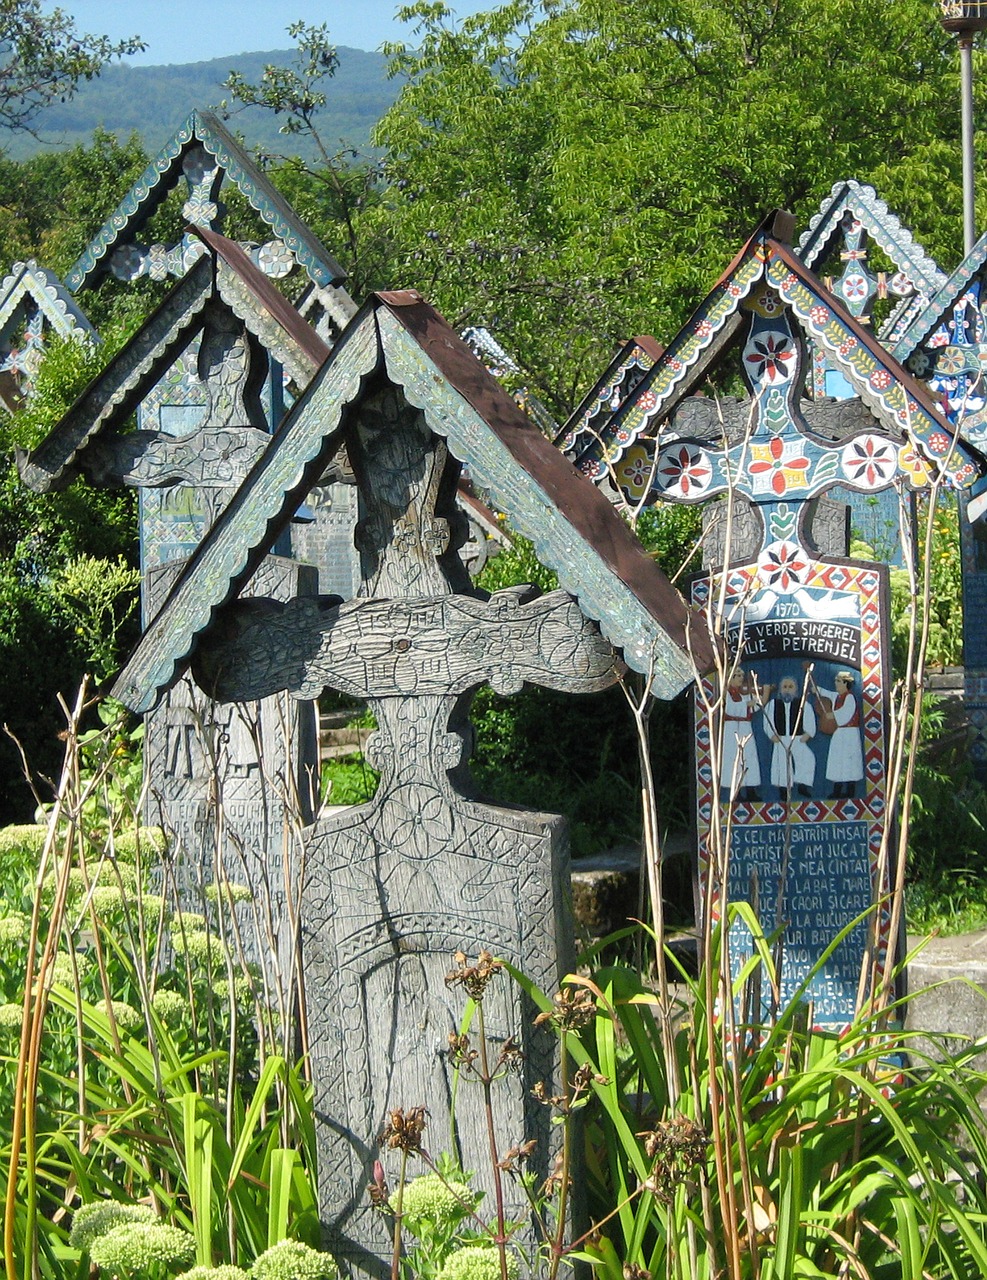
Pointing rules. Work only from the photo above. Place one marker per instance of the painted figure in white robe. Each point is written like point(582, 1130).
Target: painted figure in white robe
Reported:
point(740, 769)
point(845, 762)
point(790, 723)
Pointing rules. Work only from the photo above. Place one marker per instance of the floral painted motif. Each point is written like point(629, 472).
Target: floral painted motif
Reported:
point(783, 566)
point(880, 379)
point(765, 303)
point(901, 285)
point(635, 471)
point(869, 462)
point(683, 471)
point(771, 358)
point(819, 315)
point(854, 287)
point(955, 359)
point(778, 466)
point(914, 465)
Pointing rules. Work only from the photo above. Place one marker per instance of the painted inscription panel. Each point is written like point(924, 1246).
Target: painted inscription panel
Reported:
point(793, 762)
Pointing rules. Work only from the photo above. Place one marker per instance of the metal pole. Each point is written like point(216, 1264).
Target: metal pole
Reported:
point(965, 41)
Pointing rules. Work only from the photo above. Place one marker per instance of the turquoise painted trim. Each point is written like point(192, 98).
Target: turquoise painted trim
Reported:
point(164, 173)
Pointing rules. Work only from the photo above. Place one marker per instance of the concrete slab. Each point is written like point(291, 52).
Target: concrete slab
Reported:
point(948, 985)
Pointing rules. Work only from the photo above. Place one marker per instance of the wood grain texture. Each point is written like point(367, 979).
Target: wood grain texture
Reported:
point(389, 648)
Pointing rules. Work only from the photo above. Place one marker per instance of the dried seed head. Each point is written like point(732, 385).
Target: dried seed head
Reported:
point(572, 1008)
point(517, 1156)
point(473, 978)
point(404, 1129)
point(460, 1053)
point(554, 1180)
point(540, 1093)
point(633, 1272)
point(677, 1146)
point(510, 1056)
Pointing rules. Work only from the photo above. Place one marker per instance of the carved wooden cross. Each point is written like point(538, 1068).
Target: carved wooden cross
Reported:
point(397, 886)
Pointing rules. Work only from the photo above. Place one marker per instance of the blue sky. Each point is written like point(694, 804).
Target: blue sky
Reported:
point(196, 30)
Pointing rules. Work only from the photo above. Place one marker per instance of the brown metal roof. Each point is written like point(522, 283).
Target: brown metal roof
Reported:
point(584, 506)
point(267, 294)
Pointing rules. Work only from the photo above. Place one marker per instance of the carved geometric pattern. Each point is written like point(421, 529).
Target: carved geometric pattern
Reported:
point(205, 154)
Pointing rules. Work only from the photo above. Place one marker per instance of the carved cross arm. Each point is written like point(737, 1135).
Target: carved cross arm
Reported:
point(392, 648)
point(218, 457)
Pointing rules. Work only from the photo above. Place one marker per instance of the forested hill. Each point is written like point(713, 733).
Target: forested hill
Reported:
point(153, 101)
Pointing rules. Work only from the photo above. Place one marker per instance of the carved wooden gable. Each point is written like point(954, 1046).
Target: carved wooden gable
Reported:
point(397, 339)
point(239, 317)
point(34, 303)
point(591, 416)
point(768, 301)
point(206, 156)
point(945, 345)
point(850, 218)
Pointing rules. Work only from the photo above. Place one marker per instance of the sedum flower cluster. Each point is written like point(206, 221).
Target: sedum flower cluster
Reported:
point(431, 1204)
point(171, 1008)
point(95, 1219)
point(126, 1241)
point(14, 928)
point(224, 1272)
point(230, 892)
point(292, 1260)
point(477, 1262)
point(133, 1247)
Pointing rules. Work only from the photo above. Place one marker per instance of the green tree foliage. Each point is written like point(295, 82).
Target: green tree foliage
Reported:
point(43, 58)
point(334, 193)
point(53, 204)
point(49, 632)
point(574, 173)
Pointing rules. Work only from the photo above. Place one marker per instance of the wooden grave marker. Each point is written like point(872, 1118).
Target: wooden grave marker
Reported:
point(34, 303)
point(397, 886)
point(222, 780)
point(794, 766)
point(945, 344)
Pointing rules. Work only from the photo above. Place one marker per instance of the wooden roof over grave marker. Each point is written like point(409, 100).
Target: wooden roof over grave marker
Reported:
point(33, 300)
point(590, 418)
point(84, 440)
point(204, 153)
point(925, 346)
point(400, 338)
point(897, 400)
point(917, 276)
